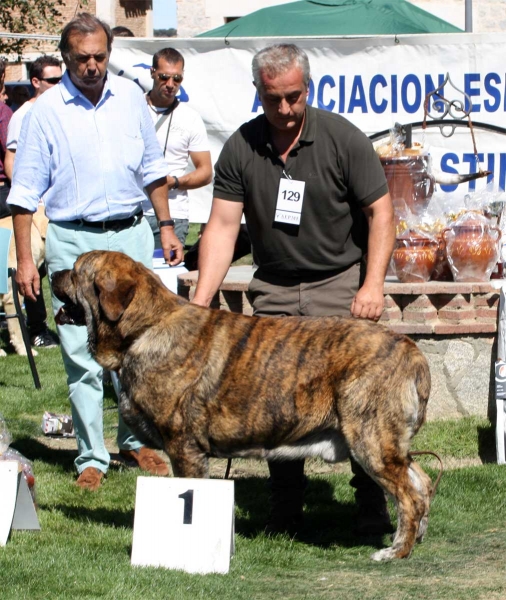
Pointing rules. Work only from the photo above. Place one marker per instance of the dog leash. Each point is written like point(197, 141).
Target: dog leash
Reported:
point(227, 470)
point(440, 474)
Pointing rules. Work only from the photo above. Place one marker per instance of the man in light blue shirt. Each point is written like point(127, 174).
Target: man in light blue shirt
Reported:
point(87, 149)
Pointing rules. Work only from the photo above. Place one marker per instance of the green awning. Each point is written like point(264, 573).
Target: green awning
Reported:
point(334, 17)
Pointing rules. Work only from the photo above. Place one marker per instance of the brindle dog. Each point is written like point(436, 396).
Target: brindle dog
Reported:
point(199, 382)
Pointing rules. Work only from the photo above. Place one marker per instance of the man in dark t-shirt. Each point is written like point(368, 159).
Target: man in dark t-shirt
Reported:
point(316, 201)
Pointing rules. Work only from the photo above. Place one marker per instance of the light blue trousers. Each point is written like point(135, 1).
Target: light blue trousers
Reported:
point(64, 243)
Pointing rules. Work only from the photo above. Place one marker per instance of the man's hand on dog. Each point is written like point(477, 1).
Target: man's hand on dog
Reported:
point(28, 279)
point(368, 303)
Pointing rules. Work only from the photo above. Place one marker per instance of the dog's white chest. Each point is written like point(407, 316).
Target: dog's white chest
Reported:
point(328, 445)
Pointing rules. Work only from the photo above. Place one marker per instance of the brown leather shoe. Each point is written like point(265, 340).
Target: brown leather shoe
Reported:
point(90, 479)
point(147, 460)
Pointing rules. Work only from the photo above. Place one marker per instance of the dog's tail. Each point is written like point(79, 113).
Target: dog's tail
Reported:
point(421, 377)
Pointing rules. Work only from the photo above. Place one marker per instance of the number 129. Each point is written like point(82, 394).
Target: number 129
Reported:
point(291, 196)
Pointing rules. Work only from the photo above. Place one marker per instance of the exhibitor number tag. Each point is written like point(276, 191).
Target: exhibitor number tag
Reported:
point(290, 199)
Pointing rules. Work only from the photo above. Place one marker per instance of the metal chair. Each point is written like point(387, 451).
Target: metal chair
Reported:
point(7, 274)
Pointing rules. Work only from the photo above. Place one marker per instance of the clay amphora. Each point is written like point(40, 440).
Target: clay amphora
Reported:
point(410, 183)
point(472, 248)
point(414, 258)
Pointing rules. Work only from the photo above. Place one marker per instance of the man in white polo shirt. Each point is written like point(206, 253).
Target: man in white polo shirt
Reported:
point(182, 136)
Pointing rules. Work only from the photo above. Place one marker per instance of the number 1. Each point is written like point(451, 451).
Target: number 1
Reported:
point(188, 506)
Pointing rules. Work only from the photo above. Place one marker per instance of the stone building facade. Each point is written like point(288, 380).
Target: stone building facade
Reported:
point(197, 16)
point(137, 15)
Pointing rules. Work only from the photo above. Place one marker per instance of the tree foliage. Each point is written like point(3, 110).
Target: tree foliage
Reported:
point(165, 32)
point(27, 16)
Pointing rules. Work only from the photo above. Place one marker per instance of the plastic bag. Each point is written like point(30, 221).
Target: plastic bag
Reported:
point(5, 436)
point(6, 453)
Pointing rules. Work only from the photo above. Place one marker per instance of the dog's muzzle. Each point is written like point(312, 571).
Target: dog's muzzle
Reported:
point(70, 313)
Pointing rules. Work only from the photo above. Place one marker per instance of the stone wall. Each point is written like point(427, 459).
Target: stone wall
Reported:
point(487, 15)
point(192, 19)
point(462, 372)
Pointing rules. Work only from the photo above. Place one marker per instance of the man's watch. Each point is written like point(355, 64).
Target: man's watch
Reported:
point(176, 182)
point(167, 223)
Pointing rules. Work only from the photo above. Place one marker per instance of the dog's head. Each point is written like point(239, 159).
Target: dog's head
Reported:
point(114, 297)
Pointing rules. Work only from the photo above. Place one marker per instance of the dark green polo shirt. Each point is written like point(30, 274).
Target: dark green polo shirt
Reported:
point(342, 174)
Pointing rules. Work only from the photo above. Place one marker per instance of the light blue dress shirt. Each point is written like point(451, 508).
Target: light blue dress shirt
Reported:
point(85, 161)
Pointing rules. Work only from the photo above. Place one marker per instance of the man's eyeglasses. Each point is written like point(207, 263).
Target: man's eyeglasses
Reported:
point(165, 77)
point(51, 80)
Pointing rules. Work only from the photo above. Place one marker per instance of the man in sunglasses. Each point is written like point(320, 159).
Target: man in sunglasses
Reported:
point(88, 149)
point(182, 136)
point(44, 73)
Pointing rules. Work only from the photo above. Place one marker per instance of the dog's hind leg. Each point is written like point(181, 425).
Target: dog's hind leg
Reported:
point(423, 483)
point(187, 459)
point(410, 488)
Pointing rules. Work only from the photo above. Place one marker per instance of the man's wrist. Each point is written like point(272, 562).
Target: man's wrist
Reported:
point(176, 182)
point(166, 223)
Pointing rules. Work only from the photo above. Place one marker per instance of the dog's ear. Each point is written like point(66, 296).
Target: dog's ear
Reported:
point(114, 293)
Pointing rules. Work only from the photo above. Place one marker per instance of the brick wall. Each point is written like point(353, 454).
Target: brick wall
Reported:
point(441, 308)
point(433, 308)
point(134, 14)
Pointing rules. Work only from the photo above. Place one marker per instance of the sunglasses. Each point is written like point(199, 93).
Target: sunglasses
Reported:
point(164, 77)
point(51, 80)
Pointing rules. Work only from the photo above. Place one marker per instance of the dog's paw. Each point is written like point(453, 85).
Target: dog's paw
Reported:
point(385, 554)
point(422, 529)
point(2, 352)
point(21, 350)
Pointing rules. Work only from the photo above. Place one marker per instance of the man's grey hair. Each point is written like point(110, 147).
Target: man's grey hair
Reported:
point(276, 60)
point(83, 24)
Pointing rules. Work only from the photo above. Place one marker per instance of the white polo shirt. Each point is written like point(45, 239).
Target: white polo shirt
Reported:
point(185, 132)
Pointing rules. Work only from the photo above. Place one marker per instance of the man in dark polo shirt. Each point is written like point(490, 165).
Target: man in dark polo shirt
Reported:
point(316, 201)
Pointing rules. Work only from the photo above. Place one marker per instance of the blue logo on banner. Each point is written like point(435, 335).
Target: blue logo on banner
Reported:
point(394, 93)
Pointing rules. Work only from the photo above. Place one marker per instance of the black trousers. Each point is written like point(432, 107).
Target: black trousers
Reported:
point(288, 483)
point(36, 313)
point(5, 211)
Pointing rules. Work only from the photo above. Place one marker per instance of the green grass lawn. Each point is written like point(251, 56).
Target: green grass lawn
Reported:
point(83, 548)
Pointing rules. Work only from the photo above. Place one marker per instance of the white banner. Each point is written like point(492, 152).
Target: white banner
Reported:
point(373, 82)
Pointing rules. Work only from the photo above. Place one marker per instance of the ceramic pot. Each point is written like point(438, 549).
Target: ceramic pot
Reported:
point(472, 250)
point(410, 182)
point(414, 258)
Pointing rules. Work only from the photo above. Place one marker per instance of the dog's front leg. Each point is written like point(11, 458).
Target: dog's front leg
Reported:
point(187, 459)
